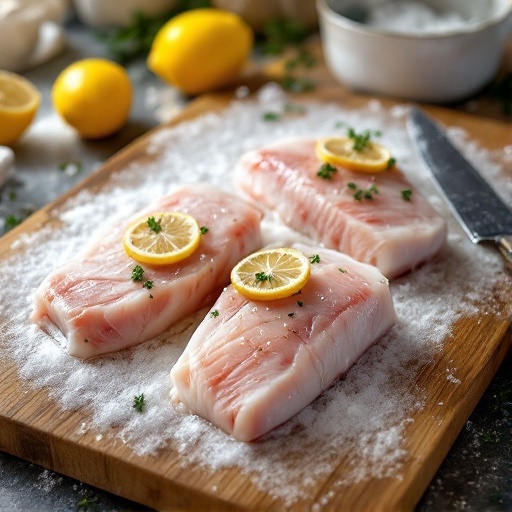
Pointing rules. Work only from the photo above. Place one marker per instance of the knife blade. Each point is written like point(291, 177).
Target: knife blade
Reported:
point(480, 211)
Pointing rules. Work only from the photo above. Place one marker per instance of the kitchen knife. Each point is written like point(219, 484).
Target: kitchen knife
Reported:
point(477, 207)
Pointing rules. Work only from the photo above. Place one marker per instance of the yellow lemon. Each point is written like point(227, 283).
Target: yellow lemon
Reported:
point(94, 96)
point(19, 102)
point(372, 157)
point(201, 49)
point(271, 274)
point(162, 238)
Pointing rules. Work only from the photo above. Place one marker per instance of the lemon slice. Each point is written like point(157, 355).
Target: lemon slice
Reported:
point(162, 238)
point(271, 274)
point(340, 151)
point(19, 102)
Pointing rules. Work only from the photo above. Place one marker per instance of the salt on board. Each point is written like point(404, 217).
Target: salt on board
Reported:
point(362, 418)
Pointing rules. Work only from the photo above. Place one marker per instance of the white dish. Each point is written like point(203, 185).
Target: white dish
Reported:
point(430, 66)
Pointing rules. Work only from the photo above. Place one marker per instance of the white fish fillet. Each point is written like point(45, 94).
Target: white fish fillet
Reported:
point(256, 364)
point(387, 231)
point(91, 304)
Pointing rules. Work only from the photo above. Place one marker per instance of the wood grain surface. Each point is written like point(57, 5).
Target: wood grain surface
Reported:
point(34, 428)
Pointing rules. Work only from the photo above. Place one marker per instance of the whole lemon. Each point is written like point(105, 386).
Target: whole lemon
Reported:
point(19, 102)
point(201, 49)
point(94, 96)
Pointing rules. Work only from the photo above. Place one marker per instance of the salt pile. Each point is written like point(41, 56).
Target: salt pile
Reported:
point(361, 418)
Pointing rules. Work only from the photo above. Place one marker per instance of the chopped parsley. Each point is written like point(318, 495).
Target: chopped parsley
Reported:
point(294, 84)
point(391, 163)
point(148, 284)
point(261, 276)
point(406, 194)
point(11, 221)
point(361, 140)
point(315, 258)
point(361, 193)
point(154, 225)
point(326, 171)
point(204, 230)
point(138, 402)
point(304, 58)
point(271, 116)
point(137, 273)
point(342, 270)
point(214, 313)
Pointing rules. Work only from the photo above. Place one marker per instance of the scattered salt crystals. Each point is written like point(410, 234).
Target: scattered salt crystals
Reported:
point(361, 419)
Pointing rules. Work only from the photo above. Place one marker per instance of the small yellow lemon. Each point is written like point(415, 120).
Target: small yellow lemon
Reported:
point(162, 238)
point(94, 96)
point(19, 102)
point(271, 274)
point(371, 158)
point(201, 49)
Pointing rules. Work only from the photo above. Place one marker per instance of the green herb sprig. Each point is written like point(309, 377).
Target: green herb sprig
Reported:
point(326, 171)
point(139, 402)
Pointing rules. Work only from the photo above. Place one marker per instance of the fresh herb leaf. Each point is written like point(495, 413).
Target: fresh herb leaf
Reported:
point(293, 84)
point(154, 225)
point(128, 43)
point(361, 193)
point(138, 402)
point(148, 284)
point(326, 171)
point(361, 140)
point(214, 313)
point(11, 221)
point(406, 194)
point(304, 58)
point(276, 34)
point(203, 230)
point(315, 258)
point(391, 163)
point(261, 276)
point(87, 504)
point(137, 273)
point(271, 116)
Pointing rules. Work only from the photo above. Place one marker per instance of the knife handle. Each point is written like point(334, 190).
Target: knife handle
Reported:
point(505, 246)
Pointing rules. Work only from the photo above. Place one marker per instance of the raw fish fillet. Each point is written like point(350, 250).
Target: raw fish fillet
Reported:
point(92, 306)
point(257, 363)
point(387, 231)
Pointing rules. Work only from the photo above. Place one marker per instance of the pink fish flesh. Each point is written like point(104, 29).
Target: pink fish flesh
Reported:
point(363, 215)
point(92, 306)
point(257, 363)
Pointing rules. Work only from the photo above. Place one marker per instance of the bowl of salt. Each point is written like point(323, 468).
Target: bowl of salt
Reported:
point(436, 51)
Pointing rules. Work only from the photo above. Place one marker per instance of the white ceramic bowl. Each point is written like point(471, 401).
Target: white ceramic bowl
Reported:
point(428, 66)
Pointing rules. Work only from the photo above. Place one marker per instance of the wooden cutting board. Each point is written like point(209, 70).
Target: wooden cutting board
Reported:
point(34, 428)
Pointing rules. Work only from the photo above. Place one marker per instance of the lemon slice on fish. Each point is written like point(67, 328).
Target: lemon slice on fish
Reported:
point(271, 274)
point(371, 158)
point(162, 238)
